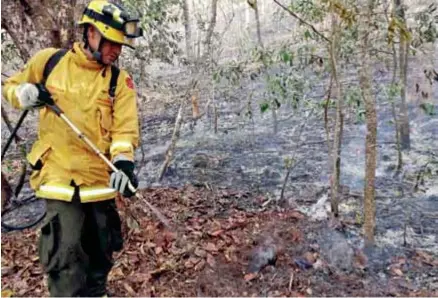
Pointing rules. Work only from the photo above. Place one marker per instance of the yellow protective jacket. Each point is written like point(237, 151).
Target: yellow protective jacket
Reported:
point(80, 88)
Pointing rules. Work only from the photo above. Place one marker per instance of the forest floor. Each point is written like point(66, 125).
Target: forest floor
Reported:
point(230, 243)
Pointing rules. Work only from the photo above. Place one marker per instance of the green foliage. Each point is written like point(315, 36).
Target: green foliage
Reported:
point(347, 10)
point(353, 98)
point(264, 56)
point(348, 41)
point(232, 73)
point(289, 162)
point(156, 19)
point(311, 10)
point(428, 108)
point(323, 103)
point(426, 30)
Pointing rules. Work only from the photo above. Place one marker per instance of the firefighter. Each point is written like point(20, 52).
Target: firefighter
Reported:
point(82, 227)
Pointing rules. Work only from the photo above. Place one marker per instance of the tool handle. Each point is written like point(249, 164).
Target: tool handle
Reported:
point(13, 133)
point(83, 137)
point(60, 113)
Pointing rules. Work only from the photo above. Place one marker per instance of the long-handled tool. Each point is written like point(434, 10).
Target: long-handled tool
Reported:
point(14, 132)
point(61, 114)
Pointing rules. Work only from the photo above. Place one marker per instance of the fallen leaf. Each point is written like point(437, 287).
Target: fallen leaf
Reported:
point(216, 233)
point(360, 259)
point(7, 293)
point(116, 273)
point(309, 257)
point(397, 271)
point(296, 235)
point(132, 223)
point(129, 289)
point(227, 255)
point(200, 265)
point(211, 247)
point(426, 258)
point(191, 262)
point(157, 272)
point(8, 271)
point(158, 250)
point(211, 261)
point(140, 277)
point(297, 215)
point(250, 276)
point(236, 239)
point(150, 244)
point(200, 252)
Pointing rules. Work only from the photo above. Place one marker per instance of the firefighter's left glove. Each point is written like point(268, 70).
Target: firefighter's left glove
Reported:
point(119, 180)
point(31, 96)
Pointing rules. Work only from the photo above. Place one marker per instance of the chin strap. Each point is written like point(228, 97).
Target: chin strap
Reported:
point(97, 55)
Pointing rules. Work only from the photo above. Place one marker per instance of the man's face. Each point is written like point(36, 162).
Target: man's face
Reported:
point(110, 50)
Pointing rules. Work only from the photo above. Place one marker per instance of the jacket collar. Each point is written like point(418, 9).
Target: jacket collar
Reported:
point(81, 58)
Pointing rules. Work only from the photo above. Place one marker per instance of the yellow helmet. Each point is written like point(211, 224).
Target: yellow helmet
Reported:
point(112, 21)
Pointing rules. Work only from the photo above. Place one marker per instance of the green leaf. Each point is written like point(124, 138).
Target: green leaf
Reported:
point(307, 34)
point(216, 77)
point(285, 56)
point(264, 107)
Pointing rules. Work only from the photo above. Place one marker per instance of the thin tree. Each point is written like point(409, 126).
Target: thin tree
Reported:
point(254, 6)
point(210, 29)
point(336, 153)
point(365, 23)
point(187, 29)
point(403, 58)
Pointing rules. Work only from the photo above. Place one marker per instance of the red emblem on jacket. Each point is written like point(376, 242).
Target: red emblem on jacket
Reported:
point(129, 83)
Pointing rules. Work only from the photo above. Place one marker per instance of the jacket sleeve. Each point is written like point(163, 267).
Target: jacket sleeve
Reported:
point(125, 130)
point(32, 72)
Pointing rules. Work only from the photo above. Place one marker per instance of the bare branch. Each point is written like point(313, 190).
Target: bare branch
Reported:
point(302, 21)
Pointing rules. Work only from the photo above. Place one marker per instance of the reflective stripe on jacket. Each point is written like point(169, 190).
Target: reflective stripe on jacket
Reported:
point(80, 88)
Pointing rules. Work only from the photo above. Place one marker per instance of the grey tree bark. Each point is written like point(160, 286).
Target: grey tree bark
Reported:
point(403, 57)
point(336, 152)
point(187, 29)
point(210, 30)
point(371, 120)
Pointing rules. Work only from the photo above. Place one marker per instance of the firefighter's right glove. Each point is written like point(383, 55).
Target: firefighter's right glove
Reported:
point(31, 96)
point(119, 180)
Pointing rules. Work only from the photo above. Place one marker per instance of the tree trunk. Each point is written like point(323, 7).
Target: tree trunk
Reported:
point(187, 29)
point(403, 52)
point(259, 34)
point(210, 30)
point(336, 164)
point(371, 119)
point(394, 112)
point(34, 25)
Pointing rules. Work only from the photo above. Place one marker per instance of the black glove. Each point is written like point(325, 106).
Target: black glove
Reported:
point(119, 180)
point(44, 96)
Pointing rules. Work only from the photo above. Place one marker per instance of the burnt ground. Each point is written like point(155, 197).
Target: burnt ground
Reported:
point(232, 243)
